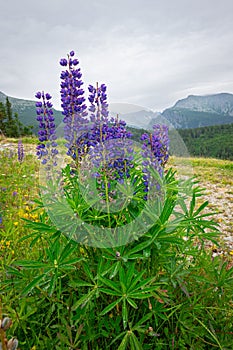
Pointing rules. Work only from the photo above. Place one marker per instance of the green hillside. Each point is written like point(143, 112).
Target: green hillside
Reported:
point(211, 141)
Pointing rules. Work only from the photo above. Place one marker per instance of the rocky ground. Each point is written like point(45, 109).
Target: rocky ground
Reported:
point(220, 200)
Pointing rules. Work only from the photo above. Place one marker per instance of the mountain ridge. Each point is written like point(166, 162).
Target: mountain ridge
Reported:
point(191, 112)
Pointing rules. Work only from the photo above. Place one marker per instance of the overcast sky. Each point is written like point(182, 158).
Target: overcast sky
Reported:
point(148, 52)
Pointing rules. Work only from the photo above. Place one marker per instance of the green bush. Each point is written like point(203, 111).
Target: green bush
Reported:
point(163, 290)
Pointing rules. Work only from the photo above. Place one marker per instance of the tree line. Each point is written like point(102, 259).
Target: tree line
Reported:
point(214, 141)
point(10, 125)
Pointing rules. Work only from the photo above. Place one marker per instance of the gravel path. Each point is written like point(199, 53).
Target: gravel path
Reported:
point(220, 200)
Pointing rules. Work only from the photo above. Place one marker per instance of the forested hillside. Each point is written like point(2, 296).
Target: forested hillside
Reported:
point(210, 141)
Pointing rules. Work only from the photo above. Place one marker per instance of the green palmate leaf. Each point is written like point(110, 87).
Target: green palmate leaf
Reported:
point(139, 247)
point(110, 292)
point(84, 299)
point(124, 313)
point(143, 320)
point(11, 270)
point(31, 264)
point(210, 332)
point(35, 240)
point(146, 293)
point(182, 204)
point(110, 307)
point(135, 257)
point(124, 342)
point(130, 274)
point(115, 269)
point(110, 284)
point(68, 250)
point(136, 279)
point(79, 283)
point(34, 283)
point(39, 226)
point(132, 303)
point(167, 211)
point(52, 284)
point(142, 285)
point(38, 236)
point(201, 208)
point(192, 204)
point(135, 345)
point(172, 240)
point(88, 272)
point(122, 275)
point(70, 262)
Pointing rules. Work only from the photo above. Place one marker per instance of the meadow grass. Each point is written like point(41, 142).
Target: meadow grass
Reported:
point(207, 169)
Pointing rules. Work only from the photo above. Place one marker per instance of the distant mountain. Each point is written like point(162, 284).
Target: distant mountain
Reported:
point(26, 110)
point(218, 103)
point(190, 112)
point(198, 111)
point(135, 116)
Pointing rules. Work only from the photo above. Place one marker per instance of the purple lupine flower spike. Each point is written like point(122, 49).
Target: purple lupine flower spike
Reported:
point(155, 151)
point(46, 150)
point(73, 102)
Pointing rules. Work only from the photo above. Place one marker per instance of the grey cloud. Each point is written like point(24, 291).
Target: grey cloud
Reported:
point(148, 52)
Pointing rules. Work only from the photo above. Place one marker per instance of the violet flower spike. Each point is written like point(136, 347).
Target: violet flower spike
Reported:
point(46, 150)
point(73, 102)
point(155, 152)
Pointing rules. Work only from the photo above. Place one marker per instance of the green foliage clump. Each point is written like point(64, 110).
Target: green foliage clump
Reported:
point(163, 290)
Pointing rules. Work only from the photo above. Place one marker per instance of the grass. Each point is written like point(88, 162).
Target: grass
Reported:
point(216, 171)
point(193, 315)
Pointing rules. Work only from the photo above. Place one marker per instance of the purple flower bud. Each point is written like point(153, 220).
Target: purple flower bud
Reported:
point(38, 95)
point(48, 96)
point(75, 62)
point(63, 62)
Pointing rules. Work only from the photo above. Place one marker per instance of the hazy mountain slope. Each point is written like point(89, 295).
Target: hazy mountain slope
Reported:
point(197, 111)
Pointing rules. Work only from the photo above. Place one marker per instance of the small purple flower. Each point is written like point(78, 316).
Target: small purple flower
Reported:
point(38, 95)
point(63, 62)
point(20, 151)
point(14, 193)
